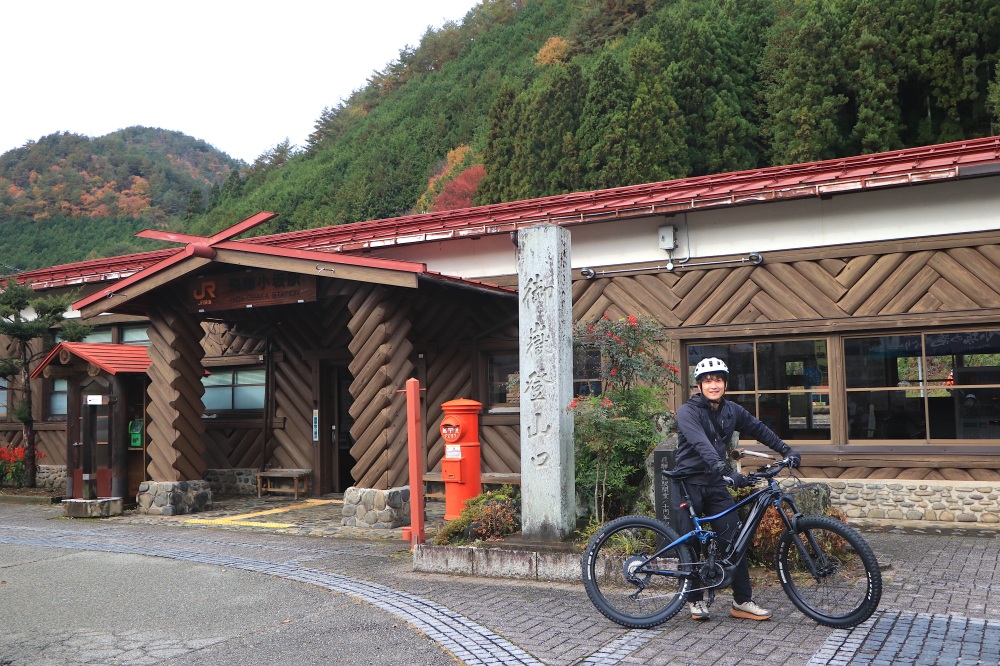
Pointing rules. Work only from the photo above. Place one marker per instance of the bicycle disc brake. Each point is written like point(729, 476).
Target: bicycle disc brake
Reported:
point(629, 569)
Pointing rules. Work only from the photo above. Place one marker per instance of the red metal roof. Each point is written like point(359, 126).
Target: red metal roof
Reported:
point(113, 359)
point(891, 169)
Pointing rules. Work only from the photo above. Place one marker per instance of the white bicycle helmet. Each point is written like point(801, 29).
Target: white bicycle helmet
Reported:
point(710, 365)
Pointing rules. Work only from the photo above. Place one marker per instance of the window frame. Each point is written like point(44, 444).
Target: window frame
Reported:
point(233, 386)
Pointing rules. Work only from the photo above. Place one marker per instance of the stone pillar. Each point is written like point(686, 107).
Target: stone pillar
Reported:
point(548, 496)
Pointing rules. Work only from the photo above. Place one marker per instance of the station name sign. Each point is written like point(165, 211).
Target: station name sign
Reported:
point(249, 289)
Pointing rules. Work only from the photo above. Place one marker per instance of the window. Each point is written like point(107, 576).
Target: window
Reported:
point(239, 388)
point(4, 397)
point(785, 384)
point(924, 385)
point(58, 398)
point(503, 379)
point(135, 335)
point(99, 335)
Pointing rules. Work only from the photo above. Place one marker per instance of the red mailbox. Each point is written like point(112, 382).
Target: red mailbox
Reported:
point(461, 467)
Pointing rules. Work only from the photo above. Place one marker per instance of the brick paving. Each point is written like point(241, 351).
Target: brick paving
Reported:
point(936, 606)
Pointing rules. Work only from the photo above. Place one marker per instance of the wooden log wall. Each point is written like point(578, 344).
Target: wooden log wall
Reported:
point(176, 447)
point(450, 330)
point(380, 327)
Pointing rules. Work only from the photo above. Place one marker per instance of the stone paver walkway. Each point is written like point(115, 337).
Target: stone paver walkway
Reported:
point(937, 604)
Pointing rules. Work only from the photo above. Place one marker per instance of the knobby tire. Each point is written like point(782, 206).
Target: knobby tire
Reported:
point(618, 548)
point(848, 586)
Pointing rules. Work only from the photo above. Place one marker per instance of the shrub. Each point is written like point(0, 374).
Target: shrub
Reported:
point(615, 427)
point(487, 517)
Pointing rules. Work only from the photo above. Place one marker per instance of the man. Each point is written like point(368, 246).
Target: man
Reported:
point(705, 425)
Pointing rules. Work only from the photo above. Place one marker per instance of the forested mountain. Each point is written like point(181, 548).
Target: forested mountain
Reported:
point(526, 98)
point(67, 197)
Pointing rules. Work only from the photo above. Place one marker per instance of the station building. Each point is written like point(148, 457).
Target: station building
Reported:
point(856, 301)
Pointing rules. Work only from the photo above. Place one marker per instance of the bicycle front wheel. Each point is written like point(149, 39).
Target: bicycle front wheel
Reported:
point(829, 572)
point(623, 585)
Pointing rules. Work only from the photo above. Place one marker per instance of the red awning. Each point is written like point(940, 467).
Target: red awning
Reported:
point(112, 359)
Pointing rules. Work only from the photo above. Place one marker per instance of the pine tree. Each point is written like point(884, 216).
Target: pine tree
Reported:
point(655, 149)
point(496, 185)
point(804, 95)
point(604, 128)
point(28, 339)
point(873, 59)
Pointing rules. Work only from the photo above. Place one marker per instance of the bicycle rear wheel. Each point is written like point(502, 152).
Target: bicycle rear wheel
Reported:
point(829, 572)
point(621, 586)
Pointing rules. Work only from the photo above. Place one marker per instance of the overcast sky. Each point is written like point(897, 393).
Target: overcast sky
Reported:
point(241, 75)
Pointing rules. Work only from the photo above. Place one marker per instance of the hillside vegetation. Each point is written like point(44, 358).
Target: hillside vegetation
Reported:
point(67, 197)
point(526, 98)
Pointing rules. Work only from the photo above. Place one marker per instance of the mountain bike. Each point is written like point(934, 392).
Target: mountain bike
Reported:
point(638, 572)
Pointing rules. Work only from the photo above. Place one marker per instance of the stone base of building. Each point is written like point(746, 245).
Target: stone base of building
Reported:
point(51, 477)
point(896, 499)
point(171, 498)
point(229, 482)
point(379, 509)
point(93, 508)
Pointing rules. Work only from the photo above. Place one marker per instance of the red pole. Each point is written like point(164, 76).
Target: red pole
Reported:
point(414, 434)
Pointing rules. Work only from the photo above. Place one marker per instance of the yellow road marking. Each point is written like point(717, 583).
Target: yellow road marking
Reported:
point(242, 519)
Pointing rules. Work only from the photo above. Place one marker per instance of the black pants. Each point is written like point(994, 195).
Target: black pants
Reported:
point(708, 501)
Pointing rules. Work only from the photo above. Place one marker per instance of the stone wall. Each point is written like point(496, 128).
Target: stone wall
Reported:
point(368, 507)
point(51, 477)
point(170, 498)
point(241, 481)
point(895, 499)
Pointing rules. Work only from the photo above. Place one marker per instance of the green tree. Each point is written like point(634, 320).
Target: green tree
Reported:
point(28, 338)
point(604, 127)
point(655, 149)
point(498, 184)
point(196, 203)
point(805, 96)
point(873, 59)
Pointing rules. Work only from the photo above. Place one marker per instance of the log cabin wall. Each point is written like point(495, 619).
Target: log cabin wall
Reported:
point(888, 288)
point(176, 446)
point(453, 331)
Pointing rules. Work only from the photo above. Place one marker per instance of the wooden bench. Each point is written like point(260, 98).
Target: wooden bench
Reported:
point(493, 479)
point(265, 481)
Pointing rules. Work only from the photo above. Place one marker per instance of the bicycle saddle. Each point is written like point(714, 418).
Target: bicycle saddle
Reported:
point(679, 476)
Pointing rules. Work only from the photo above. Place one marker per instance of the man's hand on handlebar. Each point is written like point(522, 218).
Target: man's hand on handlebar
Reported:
point(737, 480)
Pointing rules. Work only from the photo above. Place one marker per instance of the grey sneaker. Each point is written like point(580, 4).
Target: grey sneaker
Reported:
point(748, 610)
point(699, 610)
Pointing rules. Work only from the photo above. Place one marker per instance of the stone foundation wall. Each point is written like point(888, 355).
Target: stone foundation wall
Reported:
point(946, 501)
point(51, 477)
point(385, 509)
point(170, 498)
point(239, 481)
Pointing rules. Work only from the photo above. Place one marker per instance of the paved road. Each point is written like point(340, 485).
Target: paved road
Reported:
point(155, 591)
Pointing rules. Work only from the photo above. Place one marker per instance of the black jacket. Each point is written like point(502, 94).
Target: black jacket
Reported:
point(704, 435)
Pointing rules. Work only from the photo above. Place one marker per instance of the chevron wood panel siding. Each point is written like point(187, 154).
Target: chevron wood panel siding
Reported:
point(869, 285)
point(834, 290)
point(176, 447)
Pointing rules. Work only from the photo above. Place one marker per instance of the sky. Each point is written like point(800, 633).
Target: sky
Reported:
point(241, 75)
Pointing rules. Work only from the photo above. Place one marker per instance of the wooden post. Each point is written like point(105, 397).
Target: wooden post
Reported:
point(414, 432)
point(87, 462)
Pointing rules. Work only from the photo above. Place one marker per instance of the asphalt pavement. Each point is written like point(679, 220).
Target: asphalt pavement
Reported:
point(290, 586)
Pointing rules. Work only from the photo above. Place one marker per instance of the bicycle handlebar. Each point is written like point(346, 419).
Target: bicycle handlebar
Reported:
point(771, 470)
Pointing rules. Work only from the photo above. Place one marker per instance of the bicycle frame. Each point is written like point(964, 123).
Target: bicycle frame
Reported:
point(770, 495)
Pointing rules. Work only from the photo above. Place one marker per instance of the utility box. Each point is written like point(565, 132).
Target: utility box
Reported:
point(135, 434)
point(461, 467)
